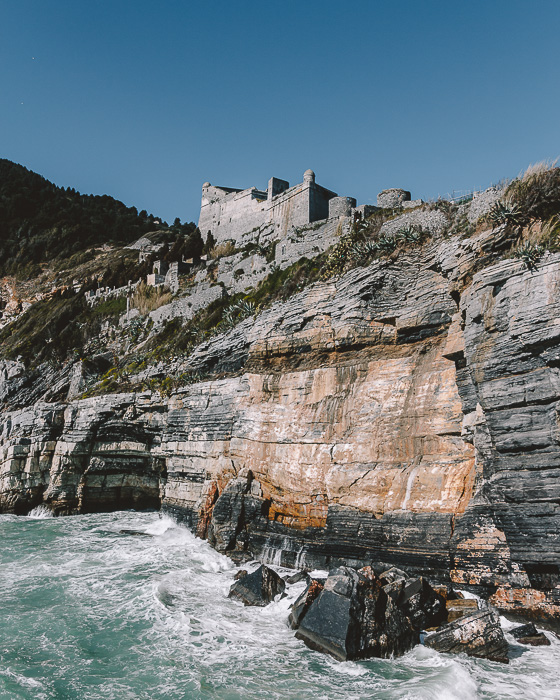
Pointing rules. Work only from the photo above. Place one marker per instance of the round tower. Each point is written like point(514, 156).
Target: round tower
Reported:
point(309, 176)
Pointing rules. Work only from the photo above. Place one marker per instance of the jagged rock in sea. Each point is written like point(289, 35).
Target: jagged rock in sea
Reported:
point(301, 606)
point(416, 598)
point(297, 577)
point(258, 588)
point(355, 616)
point(459, 608)
point(528, 634)
point(477, 634)
point(405, 412)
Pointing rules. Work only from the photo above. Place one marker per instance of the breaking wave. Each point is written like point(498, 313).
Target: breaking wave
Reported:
point(41, 511)
point(131, 606)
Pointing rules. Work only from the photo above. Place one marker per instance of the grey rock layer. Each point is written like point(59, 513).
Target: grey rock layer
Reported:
point(405, 414)
point(478, 634)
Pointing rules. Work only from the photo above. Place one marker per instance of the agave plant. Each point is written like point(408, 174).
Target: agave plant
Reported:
point(505, 212)
point(237, 312)
point(229, 316)
point(363, 249)
point(386, 244)
point(409, 234)
point(529, 254)
point(246, 309)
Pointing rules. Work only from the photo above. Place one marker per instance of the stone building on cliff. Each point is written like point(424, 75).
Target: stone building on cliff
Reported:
point(236, 215)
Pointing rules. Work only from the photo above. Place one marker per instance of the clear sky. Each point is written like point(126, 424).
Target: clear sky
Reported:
point(146, 100)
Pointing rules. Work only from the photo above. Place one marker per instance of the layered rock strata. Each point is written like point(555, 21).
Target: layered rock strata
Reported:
point(478, 634)
point(405, 414)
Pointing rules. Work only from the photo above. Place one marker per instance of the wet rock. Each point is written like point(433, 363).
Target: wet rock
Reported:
point(240, 574)
point(460, 608)
point(478, 634)
point(303, 603)
point(528, 634)
point(297, 577)
point(537, 640)
point(327, 622)
point(528, 630)
point(448, 593)
point(227, 513)
point(259, 588)
point(421, 604)
point(394, 590)
point(392, 575)
point(353, 618)
point(135, 533)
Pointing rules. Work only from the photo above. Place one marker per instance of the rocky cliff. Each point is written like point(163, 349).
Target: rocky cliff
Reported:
point(406, 412)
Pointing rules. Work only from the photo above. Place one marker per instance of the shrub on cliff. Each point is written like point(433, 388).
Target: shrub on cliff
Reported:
point(222, 250)
point(505, 212)
point(237, 312)
point(529, 254)
point(537, 193)
point(51, 329)
point(409, 234)
point(364, 243)
point(147, 298)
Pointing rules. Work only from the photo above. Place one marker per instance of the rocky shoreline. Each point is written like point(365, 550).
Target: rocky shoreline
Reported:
point(405, 413)
point(354, 614)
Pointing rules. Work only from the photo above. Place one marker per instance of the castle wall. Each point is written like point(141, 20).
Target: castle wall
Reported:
point(239, 215)
point(276, 186)
point(228, 216)
point(319, 202)
point(291, 208)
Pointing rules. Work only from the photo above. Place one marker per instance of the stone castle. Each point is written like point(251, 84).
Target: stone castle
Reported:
point(267, 230)
point(293, 222)
point(236, 215)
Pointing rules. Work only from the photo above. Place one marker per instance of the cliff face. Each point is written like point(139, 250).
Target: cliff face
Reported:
point(406, 413)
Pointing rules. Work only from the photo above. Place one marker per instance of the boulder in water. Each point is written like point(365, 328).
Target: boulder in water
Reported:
point(423, 606)
point(528, 634)
point(352, 617)
point(303, 603)
point(297, 577)
point(392, 575)
point(135, 533)
point(447, 592)
point(259, 588)
point(476, 634)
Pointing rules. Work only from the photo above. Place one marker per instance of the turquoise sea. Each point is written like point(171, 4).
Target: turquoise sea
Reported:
point(90, 612)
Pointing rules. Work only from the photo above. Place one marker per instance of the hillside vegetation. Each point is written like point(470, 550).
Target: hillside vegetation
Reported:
point(56, 234)
point(40, 222)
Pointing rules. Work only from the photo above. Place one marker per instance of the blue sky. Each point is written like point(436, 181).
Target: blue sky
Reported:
point(146, 100)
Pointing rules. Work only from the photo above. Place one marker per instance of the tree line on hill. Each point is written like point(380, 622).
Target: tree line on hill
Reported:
point(40, 223)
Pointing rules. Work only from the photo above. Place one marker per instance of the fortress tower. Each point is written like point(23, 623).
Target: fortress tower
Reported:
point(235, 215)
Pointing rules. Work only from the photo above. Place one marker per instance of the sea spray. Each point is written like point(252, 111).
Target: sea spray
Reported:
point(41, 511)
point(91, 611)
